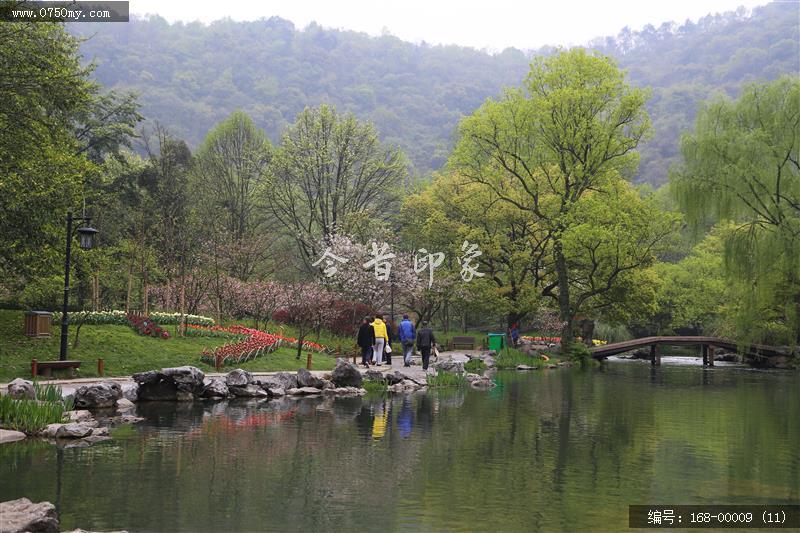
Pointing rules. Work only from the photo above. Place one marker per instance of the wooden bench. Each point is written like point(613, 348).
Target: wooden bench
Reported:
point(463, 341)
point(46, 368)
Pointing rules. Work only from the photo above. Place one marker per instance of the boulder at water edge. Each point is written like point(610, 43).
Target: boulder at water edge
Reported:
point(20, 389)
point(307, 379)
point(216, 388)
point(179, 383)
point(288, 380)
point(450, 365)
point(74, 430)
point(98, 396)
point(24, 515)
point(346, 375)
point(238, 378)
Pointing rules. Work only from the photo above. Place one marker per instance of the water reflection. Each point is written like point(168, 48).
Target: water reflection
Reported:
point(551, 450)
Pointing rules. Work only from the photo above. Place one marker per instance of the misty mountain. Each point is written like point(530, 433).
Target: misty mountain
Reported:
point(190, 76)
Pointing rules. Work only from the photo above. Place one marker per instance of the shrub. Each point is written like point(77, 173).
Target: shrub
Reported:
point(475, 366)
point(121, 318)
point(31, 416)
point(447, 379)
point(578, 352)
point(511, 358)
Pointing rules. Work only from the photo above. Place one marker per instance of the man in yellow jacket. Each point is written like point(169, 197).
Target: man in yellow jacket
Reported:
point(379, 326)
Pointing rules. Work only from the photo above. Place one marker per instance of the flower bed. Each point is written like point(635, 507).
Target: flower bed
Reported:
point(557, 340)
point(121, 318)
point(145, 326)
point(254, 344)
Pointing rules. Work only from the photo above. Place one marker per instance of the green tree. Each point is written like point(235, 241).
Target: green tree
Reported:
point(742, 164)
point(231, 178)
point(571, 130)
point(42, 86)
point(453, 209)
point(330, 174)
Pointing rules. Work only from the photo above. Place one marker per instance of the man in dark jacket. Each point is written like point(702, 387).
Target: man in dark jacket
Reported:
point(366, 338)
point(425, 341)
point(406, 333)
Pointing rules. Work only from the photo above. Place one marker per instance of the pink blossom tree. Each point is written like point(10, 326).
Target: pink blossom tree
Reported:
point(309, 306)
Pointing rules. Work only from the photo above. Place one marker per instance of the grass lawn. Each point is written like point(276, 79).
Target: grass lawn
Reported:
point(126, 352)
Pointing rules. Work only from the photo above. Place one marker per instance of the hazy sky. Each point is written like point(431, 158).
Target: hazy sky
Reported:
point(493, 24)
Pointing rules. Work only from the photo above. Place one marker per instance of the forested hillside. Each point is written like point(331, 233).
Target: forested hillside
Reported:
point(190, 76)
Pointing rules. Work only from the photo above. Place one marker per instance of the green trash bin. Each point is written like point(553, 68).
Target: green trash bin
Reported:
point(497, 341)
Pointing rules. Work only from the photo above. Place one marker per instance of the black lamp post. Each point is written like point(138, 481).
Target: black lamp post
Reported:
point(86, 242)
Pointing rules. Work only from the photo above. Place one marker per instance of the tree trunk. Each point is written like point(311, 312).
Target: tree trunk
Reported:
point(564, 308)
point(95, 291)
point(182, 322)
point(145, 299)
point(587, 331)
point(130, 289)
point(300, 339)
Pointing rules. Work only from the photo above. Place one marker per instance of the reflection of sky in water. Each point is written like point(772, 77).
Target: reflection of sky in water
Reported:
point(551, 450)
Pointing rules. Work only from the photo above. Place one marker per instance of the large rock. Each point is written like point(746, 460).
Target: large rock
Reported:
point(450, 365)
point(74, 430)
point(373, 375)
point(482, 384)
point(345, 391)
point(21, 389)
point(303, 391)
point(124, 404)
point(289, 380)
point(238, 378)
point(79, 415)
point(23, 515)
point(100, 395)
point(395, 378)
point(249, 391)
point(216, 388)
point(179, 383)
point(307, 379)
point(346, 375)
point(7, 435)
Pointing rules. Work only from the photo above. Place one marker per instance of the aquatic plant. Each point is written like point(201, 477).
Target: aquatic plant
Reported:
point(448, 379)
point(31, 416)
point(511, 358)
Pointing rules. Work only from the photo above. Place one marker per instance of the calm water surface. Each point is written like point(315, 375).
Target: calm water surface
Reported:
point(562, 450)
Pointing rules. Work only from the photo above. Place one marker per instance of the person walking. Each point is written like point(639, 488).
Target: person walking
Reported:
point(390, 336)
point(425, 342)
point(366, 340)
point(407, 335)
point(379, 328)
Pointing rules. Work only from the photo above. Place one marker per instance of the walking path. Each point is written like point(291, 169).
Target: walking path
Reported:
point(68, 386)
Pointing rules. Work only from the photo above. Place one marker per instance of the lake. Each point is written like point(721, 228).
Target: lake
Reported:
point(552, 450)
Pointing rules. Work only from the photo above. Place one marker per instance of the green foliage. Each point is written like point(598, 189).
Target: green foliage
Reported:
point(372, 386)
point(556, 150)
point(43, 293)
point(31, 416)
point(611, 333)
point(331, 174)
point(509, 359)
point(742, 165)
point(476, 366)
point(191, 76)
point(579, 353)
point(447, 379)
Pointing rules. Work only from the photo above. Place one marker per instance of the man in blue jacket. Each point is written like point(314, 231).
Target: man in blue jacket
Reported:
point(407, 335)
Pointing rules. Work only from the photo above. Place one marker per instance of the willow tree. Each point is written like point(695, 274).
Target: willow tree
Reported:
point(330, 176)
point(571, 129)
point(742, 164)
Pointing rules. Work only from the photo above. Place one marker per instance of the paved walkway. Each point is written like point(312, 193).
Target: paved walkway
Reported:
point(68, 386)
